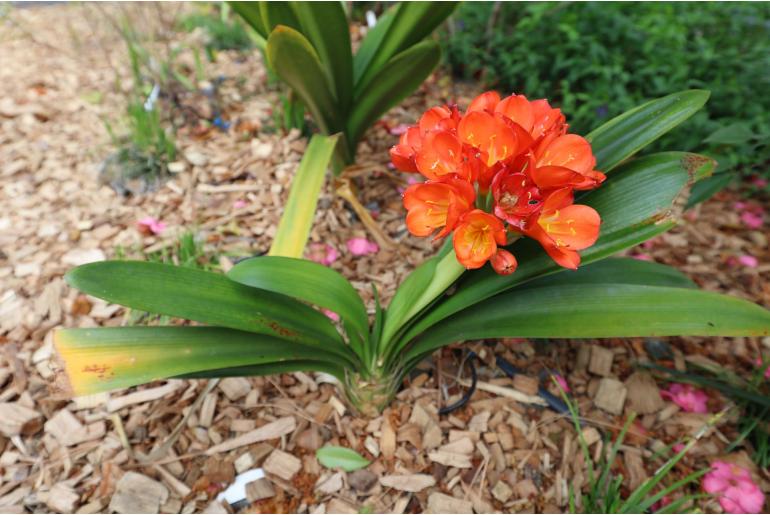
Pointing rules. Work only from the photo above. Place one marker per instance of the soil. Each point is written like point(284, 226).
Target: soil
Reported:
point(503, 451)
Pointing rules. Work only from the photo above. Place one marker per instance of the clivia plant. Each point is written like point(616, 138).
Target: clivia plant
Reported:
point(512, 186)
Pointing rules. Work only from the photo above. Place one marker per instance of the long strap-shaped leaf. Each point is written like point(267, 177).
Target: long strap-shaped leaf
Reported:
point(412, 22)
point(326, 26)
point(297, 218)
point(205, 297)
point(295, 60)
point(299, 365)
point(305, 280)
point(103, 359)
point(635, 205)
point(599, 311)
point(395, 80)
point(633, 130)
point(251, 14)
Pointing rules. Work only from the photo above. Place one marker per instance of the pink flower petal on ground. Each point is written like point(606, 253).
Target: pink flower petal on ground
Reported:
point(734, 487)
point(562, 383)
point(687, 397)
point(759, 182)
point(758, 362)
point(151, 225)
point(643, 257)
point(334, 317)
point(751, 220)
point(399, 129)
point(362, 246)
point(739, 206)
point(239, 204)
point(749, 261)
point(323, 253)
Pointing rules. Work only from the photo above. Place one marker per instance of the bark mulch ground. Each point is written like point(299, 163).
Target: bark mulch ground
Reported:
point(172, 446)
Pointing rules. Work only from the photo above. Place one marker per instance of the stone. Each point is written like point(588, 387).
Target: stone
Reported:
point(362, 480)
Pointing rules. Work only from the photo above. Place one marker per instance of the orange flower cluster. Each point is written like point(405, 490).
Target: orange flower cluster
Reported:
point(512, 157)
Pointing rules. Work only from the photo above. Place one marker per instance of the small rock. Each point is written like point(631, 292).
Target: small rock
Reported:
point(362, 480)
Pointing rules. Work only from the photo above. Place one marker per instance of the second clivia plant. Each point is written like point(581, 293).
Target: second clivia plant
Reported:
point(504, 169)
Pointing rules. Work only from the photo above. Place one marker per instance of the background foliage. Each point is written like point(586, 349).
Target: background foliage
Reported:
point(596, 60)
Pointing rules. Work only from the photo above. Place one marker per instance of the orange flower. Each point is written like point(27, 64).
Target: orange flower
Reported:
point(489, 134)
point(443, 118)
point(433, 205)
point(563, 228)
point(476, 238)
point(517, 109)
point(504, 262)
point(402, 155)
point(485, 102)
point(441, 154)
point(517, 198)
point(546, 119)
point(565, 161)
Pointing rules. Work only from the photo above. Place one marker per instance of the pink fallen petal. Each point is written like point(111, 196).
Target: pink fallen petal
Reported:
point(759, 182)
point(334, 317)
point(752, 220)
point(758, 362)
point(239, 204)
point(362, 246)
point(734, 487)
point(399, 129)
point(643, 257)
point(562, 383)
point(677, 447)
point(151, 225)
point(739, 206)
point(323, 253)
point(687, 397)
point(749, 261)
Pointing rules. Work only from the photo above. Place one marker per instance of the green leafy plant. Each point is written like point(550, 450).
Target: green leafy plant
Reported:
point(263, 316)
point(751, 397)
point(222, 31)
point(597, 60)
point(605, 491)
point(308, 47)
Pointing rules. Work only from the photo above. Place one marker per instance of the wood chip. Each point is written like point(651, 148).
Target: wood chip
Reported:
point(387, 439)
point(601, 361)
point(408, 483)
point(479, 422)
point(61, 499)
point(16, 419)
point(275, 429)
point(142, 396)
point(235, 387)
point(610, 396)
point(282, 464)
point(501, 491)
point(525, 384)
point(442, 503)
point(260, 489)
point(450, 459)
point(330, 484)
point(643, 394)
point(136, 493)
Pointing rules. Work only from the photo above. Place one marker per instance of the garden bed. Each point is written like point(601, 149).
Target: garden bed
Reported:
point(179, 443)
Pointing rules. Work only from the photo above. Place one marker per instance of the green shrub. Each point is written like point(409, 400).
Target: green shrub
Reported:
point(223, 32)
point(600, 59)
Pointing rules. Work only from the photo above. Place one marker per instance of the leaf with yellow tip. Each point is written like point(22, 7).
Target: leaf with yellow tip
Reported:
point(101, 359)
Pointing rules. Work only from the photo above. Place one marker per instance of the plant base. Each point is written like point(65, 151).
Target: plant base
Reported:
point(368, 397)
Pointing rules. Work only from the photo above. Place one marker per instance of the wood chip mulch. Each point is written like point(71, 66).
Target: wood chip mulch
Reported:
point(173, 446)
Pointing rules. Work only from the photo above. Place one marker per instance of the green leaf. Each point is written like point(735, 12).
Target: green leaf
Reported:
point(635, 204)
point(295, 61)
point(617, 271)
point(707, 188)
point(105, 358)
point(278, 13)
point(372, 41)
point(297, 218)
point(735, 134)
point(633, 130)
point(599, 311)
point(341, 457)
point(412, 22)
point(394, 82)
point(251, 14)
point(205, 297)
point(326, 26)
point(307, 281)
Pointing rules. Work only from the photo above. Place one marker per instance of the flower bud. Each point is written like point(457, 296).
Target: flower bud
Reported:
point(504, 262)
